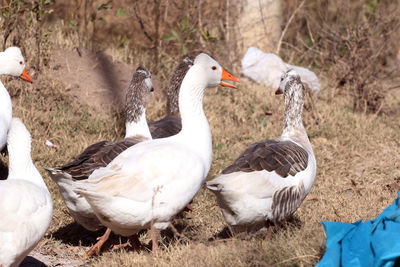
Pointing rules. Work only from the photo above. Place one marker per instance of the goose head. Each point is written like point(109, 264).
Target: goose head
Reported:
point(188, 61)
point(213, 73)
point(289, 79)
point(144, 75)
point(13, 63)
point(137, 94)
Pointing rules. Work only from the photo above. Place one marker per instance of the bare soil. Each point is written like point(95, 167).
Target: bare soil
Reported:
point(93, 78)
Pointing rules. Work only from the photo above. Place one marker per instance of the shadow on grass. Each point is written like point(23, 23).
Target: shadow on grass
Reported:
point(224, 234)
point(31, 262)
point(75, 235)
point(177, 232)
point(292, 222)
point(262, 231)
point(3, 170)
point(108, 71)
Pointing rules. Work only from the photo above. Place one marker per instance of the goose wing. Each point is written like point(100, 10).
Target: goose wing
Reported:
point(165, 127)
point(282, 157)
point(96, 156)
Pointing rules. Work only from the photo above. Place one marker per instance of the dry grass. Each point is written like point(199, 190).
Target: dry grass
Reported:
point(358, 174)
point(357, 155)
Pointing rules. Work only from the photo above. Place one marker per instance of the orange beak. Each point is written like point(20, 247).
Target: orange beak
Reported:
point(227, 76)
point(278, 92)
point(26, 76)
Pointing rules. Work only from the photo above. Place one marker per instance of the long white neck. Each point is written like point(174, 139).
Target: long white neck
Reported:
point(195, 128)
point(5, 101)
point(20, 165)
point(138, 127)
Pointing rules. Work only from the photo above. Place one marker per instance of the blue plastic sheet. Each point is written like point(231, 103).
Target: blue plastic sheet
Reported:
point(371, 243)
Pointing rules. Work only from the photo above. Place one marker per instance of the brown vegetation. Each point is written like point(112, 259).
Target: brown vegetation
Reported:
point(356, 42)
point(357, 153)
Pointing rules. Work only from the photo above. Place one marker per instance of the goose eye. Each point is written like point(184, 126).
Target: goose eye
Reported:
point(21, 63)
point(213, 67)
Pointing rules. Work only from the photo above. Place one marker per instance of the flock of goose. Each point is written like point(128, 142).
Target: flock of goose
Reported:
point(144, 180)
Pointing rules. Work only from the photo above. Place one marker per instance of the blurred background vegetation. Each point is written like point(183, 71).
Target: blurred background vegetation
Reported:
point(352, 42)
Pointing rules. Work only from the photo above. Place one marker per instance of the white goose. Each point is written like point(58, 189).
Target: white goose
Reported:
point(270, 179)
point(26, 207)
point(11, 63)
point(100, 154)
point(149, 183)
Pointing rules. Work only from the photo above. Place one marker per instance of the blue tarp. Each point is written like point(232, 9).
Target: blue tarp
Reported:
point(371, 243)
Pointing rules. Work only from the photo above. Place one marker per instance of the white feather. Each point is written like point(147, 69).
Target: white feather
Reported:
point(26, 207)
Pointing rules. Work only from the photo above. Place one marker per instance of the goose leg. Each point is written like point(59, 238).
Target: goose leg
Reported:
point(271, 228)
point(231, 230)
point(119, 246)
point(154, 234)
point(268, 235)
point(133, 242)
point(95, 249)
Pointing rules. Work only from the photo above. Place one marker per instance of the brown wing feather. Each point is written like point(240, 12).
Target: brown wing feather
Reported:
point(96, 156)
point(286, 201)
point(165, 127)
point(283, 157)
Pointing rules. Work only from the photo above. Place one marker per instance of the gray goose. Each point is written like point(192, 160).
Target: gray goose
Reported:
point(101, 153)
point(271, 178)
point(171, 123)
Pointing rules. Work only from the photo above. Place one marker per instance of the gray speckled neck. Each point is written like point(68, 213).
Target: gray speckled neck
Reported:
point(137, 94)
point(175, 84)
point(294, 101)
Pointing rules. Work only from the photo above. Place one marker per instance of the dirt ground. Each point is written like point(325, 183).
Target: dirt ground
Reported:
point(93, 78)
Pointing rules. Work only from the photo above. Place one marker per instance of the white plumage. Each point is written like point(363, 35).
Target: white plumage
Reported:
point(101, 153)
point(26, 207)
point(148, 184)
point(267, 68)
point(271, 178)
point(11, 63)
